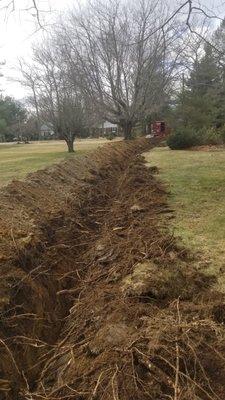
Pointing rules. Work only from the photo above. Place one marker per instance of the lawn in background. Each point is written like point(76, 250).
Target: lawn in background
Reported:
point(17, 160)
point(196, 181)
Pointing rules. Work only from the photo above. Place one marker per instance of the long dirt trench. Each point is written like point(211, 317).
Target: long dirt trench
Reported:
point(97, 299)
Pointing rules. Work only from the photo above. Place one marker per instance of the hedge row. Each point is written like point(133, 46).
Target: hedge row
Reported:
point(185, 138)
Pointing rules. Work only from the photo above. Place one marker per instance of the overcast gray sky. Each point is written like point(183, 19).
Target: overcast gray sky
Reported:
point(17, 32)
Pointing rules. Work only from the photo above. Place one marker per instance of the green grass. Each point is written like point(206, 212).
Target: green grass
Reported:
point(196, 181)
point(16, 161)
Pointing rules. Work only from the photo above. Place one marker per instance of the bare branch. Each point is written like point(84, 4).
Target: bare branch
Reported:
point(10, 6)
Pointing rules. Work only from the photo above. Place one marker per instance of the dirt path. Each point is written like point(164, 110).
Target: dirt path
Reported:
point(100, 303)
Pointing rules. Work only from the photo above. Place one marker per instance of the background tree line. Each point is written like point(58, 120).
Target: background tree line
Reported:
point(17, 122)
point(198, 116)
point(115, 61)
point(127, 63)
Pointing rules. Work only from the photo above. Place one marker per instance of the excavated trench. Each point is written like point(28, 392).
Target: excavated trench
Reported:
point(97, 299)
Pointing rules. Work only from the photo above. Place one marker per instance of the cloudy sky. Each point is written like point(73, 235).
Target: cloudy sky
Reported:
point(18, 31)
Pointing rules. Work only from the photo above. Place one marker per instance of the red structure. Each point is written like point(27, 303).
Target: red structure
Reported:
point(159, 129)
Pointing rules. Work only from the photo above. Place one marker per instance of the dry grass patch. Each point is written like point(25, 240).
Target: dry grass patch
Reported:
point(16, 161)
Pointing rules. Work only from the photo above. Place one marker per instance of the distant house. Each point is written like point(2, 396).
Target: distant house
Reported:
point(47, 131)
point(107, 128)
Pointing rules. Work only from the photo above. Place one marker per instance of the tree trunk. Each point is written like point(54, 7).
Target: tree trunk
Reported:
point(127, 130)
point(70, 145)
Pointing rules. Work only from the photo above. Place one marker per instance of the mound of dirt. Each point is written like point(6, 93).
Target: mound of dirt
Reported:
point(45, 222)
point(151, 282)
point(99, 301)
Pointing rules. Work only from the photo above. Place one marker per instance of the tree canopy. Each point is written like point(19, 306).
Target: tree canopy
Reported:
point(201, 100)
point(128, 63)
point(12, 115)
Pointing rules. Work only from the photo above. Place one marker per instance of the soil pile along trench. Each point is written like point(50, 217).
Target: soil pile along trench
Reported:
point(98, 301)
point(44, 226)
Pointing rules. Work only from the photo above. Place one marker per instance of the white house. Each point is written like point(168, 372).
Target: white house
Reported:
point(107, 127)
point(47, 131)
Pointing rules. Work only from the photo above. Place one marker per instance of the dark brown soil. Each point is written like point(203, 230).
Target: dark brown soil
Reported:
point(97, 299)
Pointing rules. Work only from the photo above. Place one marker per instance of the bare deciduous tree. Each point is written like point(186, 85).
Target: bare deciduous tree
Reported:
point(55, 101)
point(30, 80)
point(33, 7)
point(121, 58)
point(115, 59)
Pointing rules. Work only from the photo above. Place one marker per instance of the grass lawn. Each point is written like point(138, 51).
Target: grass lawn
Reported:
point(17, 160)
point(196, 181)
